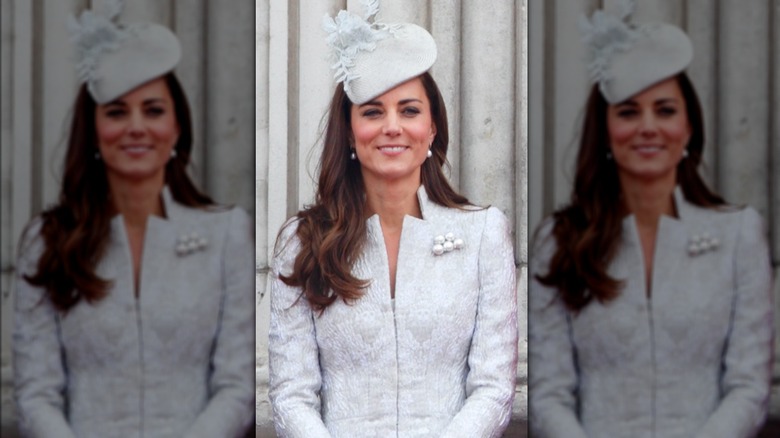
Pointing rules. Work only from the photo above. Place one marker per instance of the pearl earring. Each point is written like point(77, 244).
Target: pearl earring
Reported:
point(97, 156)
point(609, 156)
point(685, 153)
point(430, 154)
point(352, 155)
point(173, 153)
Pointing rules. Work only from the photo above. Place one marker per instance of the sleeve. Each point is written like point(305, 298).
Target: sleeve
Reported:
point(492, 359)
point(294, 369)
point(553, 379)
point(40, 376)
point(230, 410)
point(747, 358)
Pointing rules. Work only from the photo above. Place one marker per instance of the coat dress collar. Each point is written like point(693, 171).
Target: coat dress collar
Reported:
point(674, 240)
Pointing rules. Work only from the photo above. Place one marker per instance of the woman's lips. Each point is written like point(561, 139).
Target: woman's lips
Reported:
point(136, 149)
point(648, 149)
point(392, 149)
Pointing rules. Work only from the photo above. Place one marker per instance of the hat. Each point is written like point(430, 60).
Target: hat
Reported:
point(372, 57)
point(626, 58)
point(113, 59)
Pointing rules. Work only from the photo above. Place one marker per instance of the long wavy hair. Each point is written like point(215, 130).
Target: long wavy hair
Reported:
point(332, 231)
point(588, 230)
point(75, 231)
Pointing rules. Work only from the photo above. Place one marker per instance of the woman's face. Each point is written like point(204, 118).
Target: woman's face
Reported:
point(392, 133)
point(137, 132)
point(649, 132)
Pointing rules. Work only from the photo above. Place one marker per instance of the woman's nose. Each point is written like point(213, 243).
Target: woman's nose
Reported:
point(136, 125)
point(391, 126)
point(648, 124)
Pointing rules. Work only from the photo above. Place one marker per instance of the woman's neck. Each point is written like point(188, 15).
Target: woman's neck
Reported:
point(648, 201)
point(392, 201)
point(137, 201)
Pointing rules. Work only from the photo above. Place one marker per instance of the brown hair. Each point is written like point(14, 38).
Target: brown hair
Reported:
point(75, 231)
point(332, 230)
point(588, 230)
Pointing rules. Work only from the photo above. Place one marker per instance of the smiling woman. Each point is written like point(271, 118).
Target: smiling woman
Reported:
point(137, 133)
point(649, 132)
point(393, 134)
point(393, 307)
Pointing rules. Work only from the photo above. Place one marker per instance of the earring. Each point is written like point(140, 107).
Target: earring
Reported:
point(173, 153)
point(352, 155)
point(609, 156)
point(430, 154)
point(685, 153)
point(97, 156)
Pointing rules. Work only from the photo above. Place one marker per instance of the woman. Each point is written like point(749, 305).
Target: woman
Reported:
point(134, 301)
point(650, 299)
point(393, 300)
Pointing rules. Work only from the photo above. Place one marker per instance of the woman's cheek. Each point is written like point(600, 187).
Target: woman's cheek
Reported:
point(109, 132)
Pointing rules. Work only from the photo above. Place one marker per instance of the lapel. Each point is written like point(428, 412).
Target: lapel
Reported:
point(162, 241)
point(671, 256)
point(413, 252)
point(673, 272)
point(414, 238)
point(670, 253)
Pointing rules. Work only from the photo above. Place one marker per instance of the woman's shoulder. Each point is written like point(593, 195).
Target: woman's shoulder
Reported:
point(286, 246)
point(213, 215)
point(727, 216)
point(543, 232)
point(31, 243)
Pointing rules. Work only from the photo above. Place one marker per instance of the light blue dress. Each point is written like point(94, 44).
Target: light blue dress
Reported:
point(441, 364)
point(692, 359)
point(176, 361)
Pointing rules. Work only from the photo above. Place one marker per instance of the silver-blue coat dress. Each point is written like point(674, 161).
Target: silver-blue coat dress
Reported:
point(690, 359)
point(178, 360)
point(441, 364)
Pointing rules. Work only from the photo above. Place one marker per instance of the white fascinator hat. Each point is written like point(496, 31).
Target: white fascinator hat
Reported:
point(113, 59)
point(625, 58)
point(370, 57)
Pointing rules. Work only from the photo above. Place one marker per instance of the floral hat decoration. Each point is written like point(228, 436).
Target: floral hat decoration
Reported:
point(113, 59)
point(625, 58)
point(371, 57)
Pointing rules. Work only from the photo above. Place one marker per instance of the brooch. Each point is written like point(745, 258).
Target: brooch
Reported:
point(189, 243)
point(446, 243)
point(699, 244)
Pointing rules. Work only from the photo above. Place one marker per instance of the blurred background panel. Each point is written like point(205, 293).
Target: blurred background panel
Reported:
point(736, 72)
point(38, 84)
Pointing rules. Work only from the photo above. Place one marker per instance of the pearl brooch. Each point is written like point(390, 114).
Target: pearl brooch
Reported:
point(446, 243)
point(699, 244)
point(189, 243)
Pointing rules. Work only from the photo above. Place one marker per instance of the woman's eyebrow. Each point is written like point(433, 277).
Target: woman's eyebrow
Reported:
point(664, 100)
point(153, 100)
point(371, 103)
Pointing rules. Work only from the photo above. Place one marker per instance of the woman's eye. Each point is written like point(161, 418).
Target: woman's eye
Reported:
point(371, 113)
point(627, 112)
point(410, 111)
point(115, 112)
point(155, 111)
point(667, 111)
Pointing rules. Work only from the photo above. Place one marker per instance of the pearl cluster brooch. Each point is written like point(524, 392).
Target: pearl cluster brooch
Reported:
point(699, 244)
point(189, 243)
point(446, 243)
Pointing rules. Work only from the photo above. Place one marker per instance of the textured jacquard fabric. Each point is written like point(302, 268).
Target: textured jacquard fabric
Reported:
point(691, 360)
point(176, 361)
point(443, 364)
